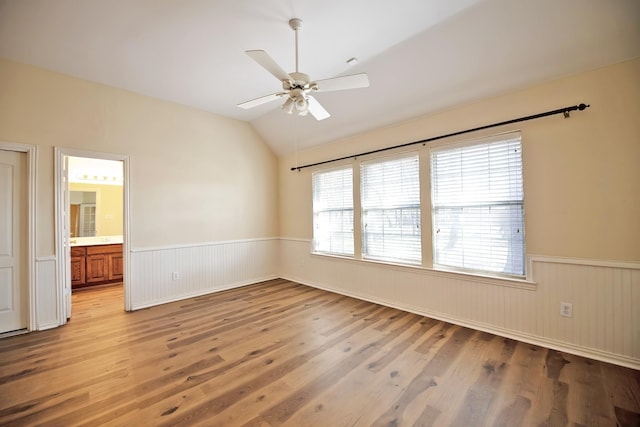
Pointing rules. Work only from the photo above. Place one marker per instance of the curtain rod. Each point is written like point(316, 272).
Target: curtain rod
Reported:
point(565, 111)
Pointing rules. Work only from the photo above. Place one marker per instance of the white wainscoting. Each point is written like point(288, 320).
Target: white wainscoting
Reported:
point(605, 298)
point(201, 269)
point(46, 298)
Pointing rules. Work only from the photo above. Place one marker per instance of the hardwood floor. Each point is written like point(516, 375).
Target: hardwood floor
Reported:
point(279, 353)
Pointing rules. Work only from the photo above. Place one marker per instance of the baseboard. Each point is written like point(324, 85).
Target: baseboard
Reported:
point(148, 304)
point(519, 336)
point(14, 333)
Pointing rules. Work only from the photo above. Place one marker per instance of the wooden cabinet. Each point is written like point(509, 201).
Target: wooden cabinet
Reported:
point(97, 268)
point(78, 270)
point(96, 265)
point(115, 266)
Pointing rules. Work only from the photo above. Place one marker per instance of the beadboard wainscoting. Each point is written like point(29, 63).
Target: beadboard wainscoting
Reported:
point(166, 274)
point(47, 301)
point(605, 296)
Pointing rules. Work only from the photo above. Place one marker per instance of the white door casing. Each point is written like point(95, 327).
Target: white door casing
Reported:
point(62, 224)
point(66, 253)
point(14, 308)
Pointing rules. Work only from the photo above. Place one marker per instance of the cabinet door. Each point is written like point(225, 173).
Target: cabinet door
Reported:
point(77, 271)
point(97, 268)
point(115, 266)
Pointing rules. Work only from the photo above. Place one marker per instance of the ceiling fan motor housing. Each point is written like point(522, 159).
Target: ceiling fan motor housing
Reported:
point(300, 80)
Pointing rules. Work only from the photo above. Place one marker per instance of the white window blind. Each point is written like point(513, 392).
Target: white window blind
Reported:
point(390, 191)
point(333, 211)
point(478, 206)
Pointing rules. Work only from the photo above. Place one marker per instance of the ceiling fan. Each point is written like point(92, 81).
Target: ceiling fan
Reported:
point(296, 86)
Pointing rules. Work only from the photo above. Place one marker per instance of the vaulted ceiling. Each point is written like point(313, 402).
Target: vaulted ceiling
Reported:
point(421, 56)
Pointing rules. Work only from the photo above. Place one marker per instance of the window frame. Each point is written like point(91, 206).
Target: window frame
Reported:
point(415, 208)
point(506, 137)
point(427, 222)
point(314, 241)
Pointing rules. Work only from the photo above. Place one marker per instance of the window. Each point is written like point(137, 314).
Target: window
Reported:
point(333, 211)
point(391, 210)
point(478, 206)
point(87, 219)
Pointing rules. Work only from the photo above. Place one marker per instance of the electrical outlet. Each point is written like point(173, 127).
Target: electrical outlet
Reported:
point(175, 275)
point(566, 309)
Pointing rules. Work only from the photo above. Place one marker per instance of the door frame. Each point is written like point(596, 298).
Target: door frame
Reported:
point(31, 152)
point(62, 260)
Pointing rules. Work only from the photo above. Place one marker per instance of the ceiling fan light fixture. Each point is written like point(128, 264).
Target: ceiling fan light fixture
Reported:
point(288, 105)
point(302, 105)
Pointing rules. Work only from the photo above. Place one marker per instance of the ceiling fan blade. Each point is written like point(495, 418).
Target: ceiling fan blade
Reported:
point(316, 109)
point(262, 58)
point(352, 81)
point(262, 100)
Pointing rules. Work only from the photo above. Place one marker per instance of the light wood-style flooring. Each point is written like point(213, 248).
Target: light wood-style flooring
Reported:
point(279, 353)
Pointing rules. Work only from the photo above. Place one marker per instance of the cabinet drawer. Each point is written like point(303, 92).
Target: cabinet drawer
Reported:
point(77, 251)
point(104, 249)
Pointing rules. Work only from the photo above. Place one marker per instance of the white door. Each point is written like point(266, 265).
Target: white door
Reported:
point(13, 237)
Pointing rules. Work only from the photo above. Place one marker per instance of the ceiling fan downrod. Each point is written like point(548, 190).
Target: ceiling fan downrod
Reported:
point(299, 84)
point(296, 24)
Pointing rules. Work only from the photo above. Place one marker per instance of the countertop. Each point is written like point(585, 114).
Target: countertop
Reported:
point(94, 241)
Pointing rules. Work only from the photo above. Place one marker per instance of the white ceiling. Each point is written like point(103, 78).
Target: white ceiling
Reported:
point(420, 55)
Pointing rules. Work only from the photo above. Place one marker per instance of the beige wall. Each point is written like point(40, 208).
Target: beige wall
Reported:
point(109, 207)
point(195, 177)
point(582, 175)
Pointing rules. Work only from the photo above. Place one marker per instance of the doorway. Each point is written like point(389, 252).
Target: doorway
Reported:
point(92, 222)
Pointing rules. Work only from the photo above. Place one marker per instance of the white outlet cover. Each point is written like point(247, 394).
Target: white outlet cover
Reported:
point(566, 309)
